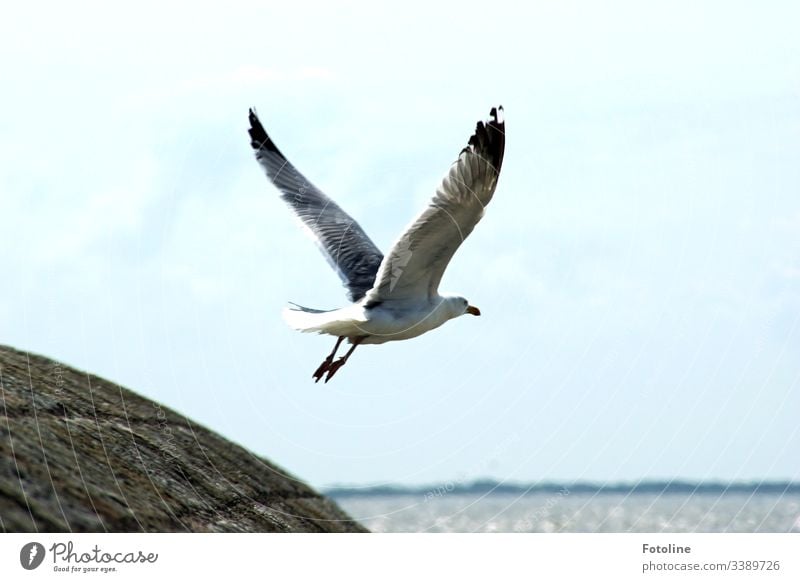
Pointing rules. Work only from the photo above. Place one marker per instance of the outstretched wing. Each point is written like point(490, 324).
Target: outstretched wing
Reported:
point(343, 242)
point(414, 266)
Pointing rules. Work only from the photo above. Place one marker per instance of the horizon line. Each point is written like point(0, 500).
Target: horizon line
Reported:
point(487, 486)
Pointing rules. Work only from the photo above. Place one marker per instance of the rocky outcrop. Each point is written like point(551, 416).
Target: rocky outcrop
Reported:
point(79, 453)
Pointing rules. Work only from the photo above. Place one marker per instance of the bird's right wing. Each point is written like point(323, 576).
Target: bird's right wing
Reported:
point(414, 266)
point(340, 238)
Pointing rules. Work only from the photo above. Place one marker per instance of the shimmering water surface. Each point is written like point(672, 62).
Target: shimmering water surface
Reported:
point(565, 512)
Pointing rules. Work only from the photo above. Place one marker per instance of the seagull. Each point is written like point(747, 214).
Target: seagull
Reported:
point(396, 296)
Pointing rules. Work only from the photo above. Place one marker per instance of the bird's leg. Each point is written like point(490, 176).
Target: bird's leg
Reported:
point(323, 367)
point(334, 367)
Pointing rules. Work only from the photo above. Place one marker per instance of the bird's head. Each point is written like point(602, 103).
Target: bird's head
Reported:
point(459, 306)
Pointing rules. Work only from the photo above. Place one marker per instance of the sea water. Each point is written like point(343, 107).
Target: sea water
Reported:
point(578, 512)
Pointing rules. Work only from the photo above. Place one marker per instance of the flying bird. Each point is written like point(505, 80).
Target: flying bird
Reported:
point(396, 296)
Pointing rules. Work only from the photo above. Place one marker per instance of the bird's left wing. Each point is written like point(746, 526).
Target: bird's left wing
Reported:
point(340, 238)
point(414, 266)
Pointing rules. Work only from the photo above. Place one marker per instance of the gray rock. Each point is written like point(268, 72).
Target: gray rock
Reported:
point(79, 453)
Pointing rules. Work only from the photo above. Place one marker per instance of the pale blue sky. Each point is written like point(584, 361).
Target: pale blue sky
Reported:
point(638, 269)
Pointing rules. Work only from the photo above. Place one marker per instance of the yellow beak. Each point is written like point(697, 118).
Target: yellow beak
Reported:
point(472, 310)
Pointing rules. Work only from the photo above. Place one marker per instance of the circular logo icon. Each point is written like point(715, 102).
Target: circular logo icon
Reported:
point(31, 555)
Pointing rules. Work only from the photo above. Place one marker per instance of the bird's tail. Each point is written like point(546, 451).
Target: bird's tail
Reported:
point(310, 320)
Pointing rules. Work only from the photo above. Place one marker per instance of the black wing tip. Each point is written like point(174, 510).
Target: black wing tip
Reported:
point(497, 115)
point(259, 140)
point(489, 139)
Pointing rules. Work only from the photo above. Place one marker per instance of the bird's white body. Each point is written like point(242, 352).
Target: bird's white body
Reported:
point(386, 322)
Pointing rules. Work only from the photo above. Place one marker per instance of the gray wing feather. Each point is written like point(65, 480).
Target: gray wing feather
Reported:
point(343, 242)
